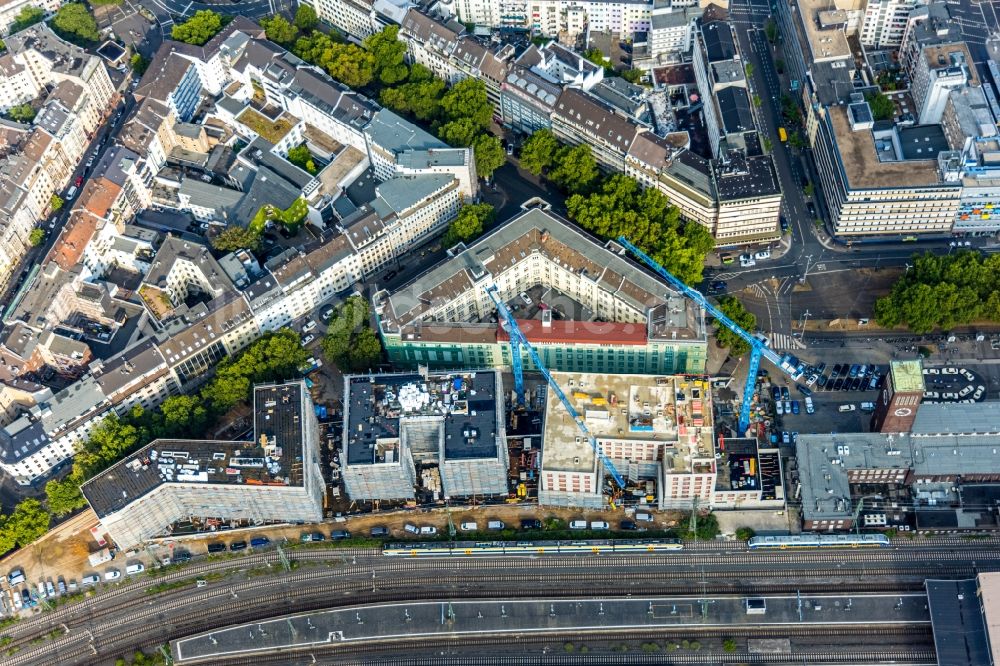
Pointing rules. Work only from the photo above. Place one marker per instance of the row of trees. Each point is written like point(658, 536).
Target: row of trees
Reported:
point(274, 357)
point(940, 292)
point(201, 27)
point(617, 205)
point(733, 309)
point(350, 343)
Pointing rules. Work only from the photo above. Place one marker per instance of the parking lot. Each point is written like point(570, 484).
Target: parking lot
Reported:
point(953, 384)
point(842, 397)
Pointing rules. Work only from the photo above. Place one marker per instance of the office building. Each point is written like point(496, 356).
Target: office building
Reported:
point(719, 71)
point(445, 319)
point(884, 22)
point(432, 435)
point(275, 478)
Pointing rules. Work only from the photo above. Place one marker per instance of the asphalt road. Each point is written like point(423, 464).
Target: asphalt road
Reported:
point(121, 617)
point(168, 12)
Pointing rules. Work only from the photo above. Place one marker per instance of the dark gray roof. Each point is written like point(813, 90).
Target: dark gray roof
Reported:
point(960, 635)
point(740, 177)
point(164, 74)
point(718, 40)
point(277, 415)
point(594, 116)
point(267, 188)
point(922, 142)
point(21, 439)
point(734, 106)
point(472, 435)
point(832, 80)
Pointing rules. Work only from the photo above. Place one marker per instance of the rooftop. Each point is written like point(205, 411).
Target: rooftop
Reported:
point(957, 617)
point(861, 163)
point(827, 39)
point(717, 37)
point(65, 58)
point(989, 592)
point(273, 458)
point(907, 376)
point(597, 118)
point(451, 413)
point(674, 410)
point(922, 142)
point(391, 133)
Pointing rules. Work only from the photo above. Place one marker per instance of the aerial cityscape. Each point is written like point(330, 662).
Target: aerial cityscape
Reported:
point(500, 332)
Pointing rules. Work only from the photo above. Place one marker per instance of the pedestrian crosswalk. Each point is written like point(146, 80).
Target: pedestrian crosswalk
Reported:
point(758, 290)
point(784, 342)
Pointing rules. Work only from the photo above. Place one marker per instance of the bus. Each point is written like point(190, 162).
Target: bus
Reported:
point(782, 134)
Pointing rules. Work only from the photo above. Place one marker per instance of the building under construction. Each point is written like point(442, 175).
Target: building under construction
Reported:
point(424, 436)
point(656, 430)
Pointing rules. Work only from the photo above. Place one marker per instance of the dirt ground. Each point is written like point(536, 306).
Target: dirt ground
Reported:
point(61, 552)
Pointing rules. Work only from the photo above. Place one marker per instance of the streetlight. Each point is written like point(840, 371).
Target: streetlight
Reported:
point(805, 274)
point(805, 319)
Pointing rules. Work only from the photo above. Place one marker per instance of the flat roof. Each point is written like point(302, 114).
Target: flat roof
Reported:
point(922, 142)
point(989, 591)
point(861, 163)
point(273, 458)
point(673, 410)
point(825, 44)
point(907, 376)
point(957, 418)
point(960, 637)
point(459, 409)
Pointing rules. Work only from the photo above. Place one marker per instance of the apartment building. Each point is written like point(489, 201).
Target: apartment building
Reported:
point(579, 118)
point(885, 22)
point(275, 478)
point(719, 71)
point(445, 319)
point(38, 58)
point(942, 69)
point(355, 18)
point(671, 30)
point(737, 198)
point(429, 435)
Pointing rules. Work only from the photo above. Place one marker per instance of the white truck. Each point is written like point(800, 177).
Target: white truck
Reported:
point(100, 557)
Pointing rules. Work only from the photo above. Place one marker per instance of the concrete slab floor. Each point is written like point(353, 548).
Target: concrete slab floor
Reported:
point(451, 618)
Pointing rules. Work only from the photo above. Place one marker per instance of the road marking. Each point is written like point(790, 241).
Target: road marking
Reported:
point(820, 267)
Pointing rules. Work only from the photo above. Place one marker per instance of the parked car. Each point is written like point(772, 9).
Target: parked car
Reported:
point(779, 407)
point(495, 525)
point(746, 261)
point(216, 547)
point(531, 524)
point(763, 254)
point(803, 390)
point(259, 542)
point(337, 535)
point(775, 393)
point(50, 589)
point(309, 338)
point(469, 527)
point(79, 181)
point(810, 409)
point(61, 584)
point(524, 297)
point(238, 545)
point(627, 525)
point(578, 524)
point(112, 574)
point(846, 408)
point(785, 393)
point(795, 406)
point(308, 326)
point(92, 579)
point(949, 371)
point(837, 385)
point(412, 529)
point(599, 525)
point(788, 406)
point(379, 531)
point(428, 530)
point(868, 406)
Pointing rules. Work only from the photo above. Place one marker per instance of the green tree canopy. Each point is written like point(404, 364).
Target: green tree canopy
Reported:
point(460, 132)
point(419, 97)
point(64, 497)
point(574, 169)
point(302, 158)
point(732, 308)
point(348, 63)
point(706, 530)
point(138, 63)
point(882, 107)
point(21, 113)
point(275, 356)
point(28, 521)
point(279, 30)
point(36, 237)
point(388, 54)
point(745, 533)
point(350, 343)
point(305, 18)
point(74, 23)
point(489, 153)
point(469, 224)
point(647, 218)
point(467, 100)
point(28, 16)
point(942, 291)
point(539, 151)
point(198, 29)
point(56, 203)
point(234, 238)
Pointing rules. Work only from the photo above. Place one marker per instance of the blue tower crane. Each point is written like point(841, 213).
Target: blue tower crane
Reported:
point(517, 340)
point(758, 348)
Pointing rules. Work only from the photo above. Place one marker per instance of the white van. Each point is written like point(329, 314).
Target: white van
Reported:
point(870, 406)
point(134, 569)
point(599, 525)
point(112, 574)
point(412, 529)
point(643, 517)
point(495, 525)
point(578, 525)
point(846, 408)
point(469, 527)
point(429, 530)
point(92, 579)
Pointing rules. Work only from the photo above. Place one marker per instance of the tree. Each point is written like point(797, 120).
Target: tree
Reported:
point(596, 56)
point(767, 144)
point(748, 68)
point(489, 154)
point(467, 99)
point(21, 113)
point(74, 23)
point(388, 54)
point(56, 203)
point(729, 645)
point(808, 189)
point(64, 497)
point(461, 132)
point(633, 75)
point(279, 30)
point(36, 237)
point(539, 151)
point(28, 16)
point(620, 207)
point(274, 357)
point(420, 97)
point(707, 529)
point(881, 106)
point(302, 158)
point(745, 533)
point(234, 238)
point(574, 169)
point(305, 18)
point(139, 63)
point(28, 521)
point(198, 29)
point(181, 415)
point(3, 45)
point(757, 101)
point(350, 343)
point(733, 309)
point(771, 30)
point(779, 66)
point(468, 224)
point(350, 64)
